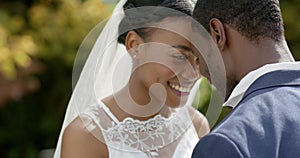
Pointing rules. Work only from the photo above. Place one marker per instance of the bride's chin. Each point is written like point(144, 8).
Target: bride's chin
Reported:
point(177, 104)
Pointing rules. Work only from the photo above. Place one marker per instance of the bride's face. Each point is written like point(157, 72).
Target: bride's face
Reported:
point(166, 58)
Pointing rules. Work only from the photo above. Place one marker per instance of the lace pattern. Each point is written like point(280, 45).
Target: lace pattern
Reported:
point(146, 136)
point(149, 137)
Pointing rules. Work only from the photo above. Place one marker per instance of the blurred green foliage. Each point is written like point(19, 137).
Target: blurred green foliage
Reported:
point(291, 16)
point(202, 99)
point(38, 43)
point(43, 35)
point(209, 102)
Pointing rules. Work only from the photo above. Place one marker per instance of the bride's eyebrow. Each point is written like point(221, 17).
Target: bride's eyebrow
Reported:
point(183, 47)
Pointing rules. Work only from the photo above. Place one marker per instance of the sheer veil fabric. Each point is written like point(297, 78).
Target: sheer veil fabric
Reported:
point(108, 69)
point(100, 59)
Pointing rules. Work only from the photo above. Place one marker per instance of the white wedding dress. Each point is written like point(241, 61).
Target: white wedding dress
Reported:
point(172, 137)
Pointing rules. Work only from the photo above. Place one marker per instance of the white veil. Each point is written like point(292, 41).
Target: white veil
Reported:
point(83, 93)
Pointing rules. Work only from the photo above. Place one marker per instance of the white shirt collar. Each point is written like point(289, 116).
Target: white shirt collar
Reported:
point(239, 91)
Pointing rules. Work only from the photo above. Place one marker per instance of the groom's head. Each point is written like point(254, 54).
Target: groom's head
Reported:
point(254, 19)
point(240, 28)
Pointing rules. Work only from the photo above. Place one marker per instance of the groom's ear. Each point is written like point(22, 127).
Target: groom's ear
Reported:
point(132, 41)
point(217, 32)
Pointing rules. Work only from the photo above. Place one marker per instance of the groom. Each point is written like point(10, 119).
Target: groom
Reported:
point(263, 81)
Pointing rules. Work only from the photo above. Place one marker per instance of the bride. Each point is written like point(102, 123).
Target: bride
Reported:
point(132, 97)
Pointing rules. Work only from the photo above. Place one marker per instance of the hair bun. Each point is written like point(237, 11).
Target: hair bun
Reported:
point(142, 3)
point(130, 4)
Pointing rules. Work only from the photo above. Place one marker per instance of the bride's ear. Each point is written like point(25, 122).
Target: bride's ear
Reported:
point(133, 40)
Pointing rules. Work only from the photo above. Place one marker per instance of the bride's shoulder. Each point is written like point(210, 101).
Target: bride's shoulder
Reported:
point(199, 121)
point(80, 123)
point(81, 139)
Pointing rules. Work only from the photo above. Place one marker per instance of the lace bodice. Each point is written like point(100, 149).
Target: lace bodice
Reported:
point(159, 136)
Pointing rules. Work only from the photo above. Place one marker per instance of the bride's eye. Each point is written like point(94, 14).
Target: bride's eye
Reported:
point(180, 57)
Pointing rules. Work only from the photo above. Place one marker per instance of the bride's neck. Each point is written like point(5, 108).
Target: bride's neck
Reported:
point(122, 102)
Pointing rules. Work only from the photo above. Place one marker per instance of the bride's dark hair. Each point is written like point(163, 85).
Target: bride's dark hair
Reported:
point(142, 16)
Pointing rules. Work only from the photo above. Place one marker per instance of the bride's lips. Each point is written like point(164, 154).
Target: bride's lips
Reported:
point(180, 90)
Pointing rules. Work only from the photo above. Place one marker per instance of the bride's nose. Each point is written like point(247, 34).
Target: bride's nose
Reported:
point(191, 71)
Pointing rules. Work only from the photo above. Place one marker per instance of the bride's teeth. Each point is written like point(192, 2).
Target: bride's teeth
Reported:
point(179, 88)
point(187, 89)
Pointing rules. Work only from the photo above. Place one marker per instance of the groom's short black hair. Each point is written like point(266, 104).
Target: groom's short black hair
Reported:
point(254, 19)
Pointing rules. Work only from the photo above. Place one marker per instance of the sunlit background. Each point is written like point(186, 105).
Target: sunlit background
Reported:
point(38, 43)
